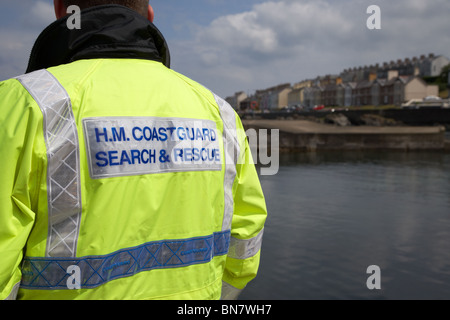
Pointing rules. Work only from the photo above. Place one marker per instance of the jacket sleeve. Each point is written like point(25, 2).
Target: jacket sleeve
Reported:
point(247, 225)
point(17, 131)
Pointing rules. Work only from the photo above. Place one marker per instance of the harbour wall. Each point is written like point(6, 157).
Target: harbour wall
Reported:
point(414, 117)
point(304, 135)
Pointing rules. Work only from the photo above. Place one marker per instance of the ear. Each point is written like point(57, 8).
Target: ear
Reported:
point(151, 13)
point(60, 9)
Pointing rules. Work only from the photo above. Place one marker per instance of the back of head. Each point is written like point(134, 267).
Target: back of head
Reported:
point(141, 6)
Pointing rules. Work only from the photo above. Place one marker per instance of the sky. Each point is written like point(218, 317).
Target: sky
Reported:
point(247, 45)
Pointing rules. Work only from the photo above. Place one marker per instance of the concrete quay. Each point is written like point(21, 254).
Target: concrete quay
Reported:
point(304, 135)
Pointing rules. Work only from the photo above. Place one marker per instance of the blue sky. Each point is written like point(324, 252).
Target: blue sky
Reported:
point(237, 45)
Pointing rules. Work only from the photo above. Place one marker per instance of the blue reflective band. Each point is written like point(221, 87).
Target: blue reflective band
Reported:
point(52, 273)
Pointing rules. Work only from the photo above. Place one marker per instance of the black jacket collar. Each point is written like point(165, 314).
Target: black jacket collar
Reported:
point(109, 31)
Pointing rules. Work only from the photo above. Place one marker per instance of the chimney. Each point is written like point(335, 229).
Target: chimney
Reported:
point(372, 76)
point(338, 80)
point(392, 74)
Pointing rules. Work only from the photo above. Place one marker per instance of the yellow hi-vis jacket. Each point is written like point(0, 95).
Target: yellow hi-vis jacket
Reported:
point(122, 179)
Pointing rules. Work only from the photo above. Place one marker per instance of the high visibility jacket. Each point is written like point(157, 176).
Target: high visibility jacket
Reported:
point(120, 178)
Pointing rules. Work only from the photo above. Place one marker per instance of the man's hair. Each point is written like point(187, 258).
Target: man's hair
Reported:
point(138, 5)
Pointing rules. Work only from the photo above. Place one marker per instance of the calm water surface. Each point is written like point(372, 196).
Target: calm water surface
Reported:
point(331, 215)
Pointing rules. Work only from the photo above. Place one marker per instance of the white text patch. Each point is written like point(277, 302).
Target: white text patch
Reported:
point(134, 146)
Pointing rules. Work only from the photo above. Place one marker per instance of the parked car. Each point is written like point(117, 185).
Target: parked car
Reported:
point(319, 107)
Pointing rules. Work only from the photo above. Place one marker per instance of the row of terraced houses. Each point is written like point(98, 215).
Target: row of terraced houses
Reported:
point(391, 83)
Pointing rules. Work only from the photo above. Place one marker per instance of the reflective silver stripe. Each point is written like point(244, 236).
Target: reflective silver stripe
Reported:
point(232, 150)
point(14, 291)
point(243, 249)
point(229, 292)
point(63, 169)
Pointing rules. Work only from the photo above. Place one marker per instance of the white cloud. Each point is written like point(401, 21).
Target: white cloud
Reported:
point(273, 28)
point(266, 46)
point(288, 41)
point(37, 15)
point(43, 12)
